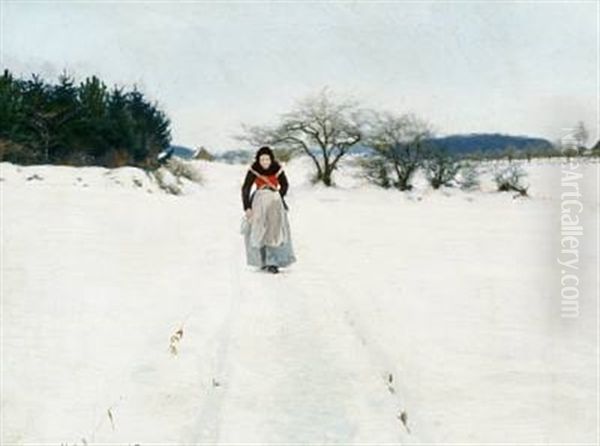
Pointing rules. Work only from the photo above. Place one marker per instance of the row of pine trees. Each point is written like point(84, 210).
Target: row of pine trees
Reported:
point(78, 124)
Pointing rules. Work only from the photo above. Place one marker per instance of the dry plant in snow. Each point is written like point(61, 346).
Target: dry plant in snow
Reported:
point(174, 341)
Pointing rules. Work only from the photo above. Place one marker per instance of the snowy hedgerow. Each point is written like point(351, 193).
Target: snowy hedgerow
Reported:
point(510, 179)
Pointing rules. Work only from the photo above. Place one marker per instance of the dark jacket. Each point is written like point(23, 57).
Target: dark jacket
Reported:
point(250, 177)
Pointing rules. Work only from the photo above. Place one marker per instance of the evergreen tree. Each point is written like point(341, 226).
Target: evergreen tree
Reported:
point(83, 124)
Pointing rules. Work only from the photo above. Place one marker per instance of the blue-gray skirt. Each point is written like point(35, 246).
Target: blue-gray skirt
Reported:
point(267, 235)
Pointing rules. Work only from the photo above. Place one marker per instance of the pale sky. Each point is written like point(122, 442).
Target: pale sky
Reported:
point(523, 68)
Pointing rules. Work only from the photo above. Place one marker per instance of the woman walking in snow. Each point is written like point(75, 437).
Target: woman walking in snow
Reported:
point(266, 227)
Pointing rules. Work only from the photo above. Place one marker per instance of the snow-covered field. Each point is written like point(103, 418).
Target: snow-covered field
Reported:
point(443, 306)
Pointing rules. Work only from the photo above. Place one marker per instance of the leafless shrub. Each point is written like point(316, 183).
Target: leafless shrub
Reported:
point(468, 176)
point(441, 168)
point(399, 141)
point(510, 179)
point(376, 171)
point(179, 168)
point(167, 182)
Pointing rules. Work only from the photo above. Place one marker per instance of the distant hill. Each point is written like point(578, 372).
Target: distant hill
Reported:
point(486, 142)
point(474, 142)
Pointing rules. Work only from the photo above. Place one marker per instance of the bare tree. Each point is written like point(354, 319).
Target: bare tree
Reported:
point(580, 135)
point(322, 126)
point(401, 140)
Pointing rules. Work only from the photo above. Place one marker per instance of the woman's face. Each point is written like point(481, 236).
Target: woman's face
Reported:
point(264, 160)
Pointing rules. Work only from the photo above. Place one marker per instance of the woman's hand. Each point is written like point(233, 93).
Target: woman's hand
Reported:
point(248, 213)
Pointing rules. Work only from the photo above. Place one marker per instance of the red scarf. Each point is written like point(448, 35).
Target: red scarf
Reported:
point(266, 180)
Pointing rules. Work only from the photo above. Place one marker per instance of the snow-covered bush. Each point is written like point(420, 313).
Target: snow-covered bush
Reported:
point(170, 176)
point(180, 168)
point(510, 179)
point(375, 170)
point(167, 181)
point(441, 168)
point(468, 176)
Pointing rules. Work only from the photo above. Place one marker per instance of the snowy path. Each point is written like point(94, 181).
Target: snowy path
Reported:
point(295, 371)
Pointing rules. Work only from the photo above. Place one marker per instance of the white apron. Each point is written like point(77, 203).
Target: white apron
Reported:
point(268, 230)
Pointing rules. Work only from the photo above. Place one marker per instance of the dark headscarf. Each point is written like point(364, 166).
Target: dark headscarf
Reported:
point(273, 168)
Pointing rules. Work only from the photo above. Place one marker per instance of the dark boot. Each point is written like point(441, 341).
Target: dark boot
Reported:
point(273, 269)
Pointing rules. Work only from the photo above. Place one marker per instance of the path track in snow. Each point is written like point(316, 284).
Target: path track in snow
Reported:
point(295, 365)
point(205, 428)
